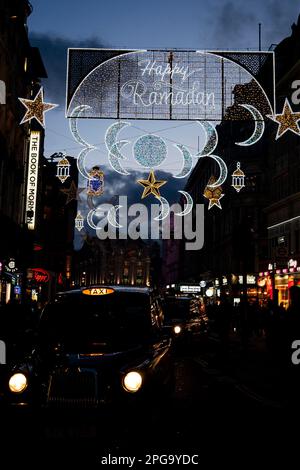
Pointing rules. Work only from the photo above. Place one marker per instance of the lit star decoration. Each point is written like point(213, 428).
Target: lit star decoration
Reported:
point(36, 108)
point(213, 194)
point(151, 185)
point(287, 120)
point(72, 193)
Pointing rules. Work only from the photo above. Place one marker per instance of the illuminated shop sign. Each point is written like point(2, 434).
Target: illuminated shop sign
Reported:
point(32, 179)
point(292, 263)
point(10, 266)
point(251, 279)
point(190, 289)
point(40, 275)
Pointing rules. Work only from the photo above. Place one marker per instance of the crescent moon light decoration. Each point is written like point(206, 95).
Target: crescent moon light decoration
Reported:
point(165, 208)
point(223, 169)
point(76, 113)
point(211, 138)
point(187, 161)
point(113, 146)
point(89, 219)
point(81, 161)
point(188, 206)
point(112, 216)
point(75, 133)
point(115, 155)
point(259, 126)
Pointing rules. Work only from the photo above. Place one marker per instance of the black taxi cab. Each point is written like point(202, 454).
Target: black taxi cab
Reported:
point(96, 346)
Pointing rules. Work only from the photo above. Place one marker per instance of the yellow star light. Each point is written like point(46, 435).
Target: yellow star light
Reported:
point(287, 120)
point(36, 108)
point(151, 185)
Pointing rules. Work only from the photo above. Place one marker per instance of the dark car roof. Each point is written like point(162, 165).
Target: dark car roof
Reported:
point(117, 288)
point(179, 299)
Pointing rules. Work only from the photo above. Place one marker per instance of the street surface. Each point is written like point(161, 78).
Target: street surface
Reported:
point(225, 414)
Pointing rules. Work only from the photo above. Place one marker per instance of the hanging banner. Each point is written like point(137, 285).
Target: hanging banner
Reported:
point(32, 179)
point(169, 85)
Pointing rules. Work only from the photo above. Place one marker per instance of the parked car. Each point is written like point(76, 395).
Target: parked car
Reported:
point(183, 316)
point(96, 347)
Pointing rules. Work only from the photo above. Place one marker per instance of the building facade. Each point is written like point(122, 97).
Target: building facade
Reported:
point(118, 262)
point(252, 244)
point(21, 68)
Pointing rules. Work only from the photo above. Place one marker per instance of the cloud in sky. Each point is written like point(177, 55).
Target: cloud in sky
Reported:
point(116, 185)
point(54, 53)
point(234, 23)
point(229, 24)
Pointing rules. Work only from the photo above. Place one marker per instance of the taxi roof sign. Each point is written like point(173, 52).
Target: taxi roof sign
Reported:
point(98, 291)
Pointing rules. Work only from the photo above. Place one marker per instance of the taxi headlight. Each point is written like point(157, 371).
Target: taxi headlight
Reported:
point(18, 383)
point(177, 329)
point(132, 381)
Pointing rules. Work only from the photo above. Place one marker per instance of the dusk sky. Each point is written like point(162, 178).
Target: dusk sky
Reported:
point(197, 24)
point(61, 24)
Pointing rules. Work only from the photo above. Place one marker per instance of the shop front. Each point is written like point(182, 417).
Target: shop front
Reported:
point(10, 282)
point(236, 286)
point(279, 283)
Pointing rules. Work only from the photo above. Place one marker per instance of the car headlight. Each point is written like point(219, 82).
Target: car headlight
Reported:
point(177, 329)
point(18, 383)
point(132, 381)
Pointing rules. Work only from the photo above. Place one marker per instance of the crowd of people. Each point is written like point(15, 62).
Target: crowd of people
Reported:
point(278, 326)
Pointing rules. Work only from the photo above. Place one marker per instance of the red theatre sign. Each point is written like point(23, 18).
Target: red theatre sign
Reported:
point(40, 275)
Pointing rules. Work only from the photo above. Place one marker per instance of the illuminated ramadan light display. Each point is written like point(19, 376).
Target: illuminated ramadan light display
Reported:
point(170, 85)
point(165, 85)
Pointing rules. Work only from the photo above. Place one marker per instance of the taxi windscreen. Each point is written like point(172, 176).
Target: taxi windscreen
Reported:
point(92, 322)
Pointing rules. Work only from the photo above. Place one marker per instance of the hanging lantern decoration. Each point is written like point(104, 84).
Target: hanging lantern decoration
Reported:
point(238, 178)
point(63, 169)
point(79, 221)
point(95, 184)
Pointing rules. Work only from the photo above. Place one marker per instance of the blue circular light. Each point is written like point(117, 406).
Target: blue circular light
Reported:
point(150, 151)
